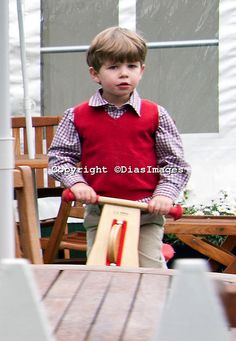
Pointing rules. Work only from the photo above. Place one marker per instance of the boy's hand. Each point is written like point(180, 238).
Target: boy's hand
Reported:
point(160, 205)
point(84, 193)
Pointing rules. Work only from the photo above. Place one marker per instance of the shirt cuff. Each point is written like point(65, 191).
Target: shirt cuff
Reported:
point(166, 190)
point(69, 181)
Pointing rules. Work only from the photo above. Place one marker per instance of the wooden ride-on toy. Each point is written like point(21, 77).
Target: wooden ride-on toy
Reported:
point(117, 236)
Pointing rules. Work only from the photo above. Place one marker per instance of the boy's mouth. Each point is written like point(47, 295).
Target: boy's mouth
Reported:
point(123, 84)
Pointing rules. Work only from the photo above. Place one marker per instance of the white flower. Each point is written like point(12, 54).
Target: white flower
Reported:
point(198, 213)
point(223, 205)
point(215, 213)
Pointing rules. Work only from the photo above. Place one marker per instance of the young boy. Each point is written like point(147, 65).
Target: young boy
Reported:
point(127, 147)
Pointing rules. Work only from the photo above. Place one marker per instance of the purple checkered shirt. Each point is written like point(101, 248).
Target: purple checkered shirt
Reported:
point(65, 150)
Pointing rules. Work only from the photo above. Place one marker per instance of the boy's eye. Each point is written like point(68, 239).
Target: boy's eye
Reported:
point(112, 67)
point(132, 66)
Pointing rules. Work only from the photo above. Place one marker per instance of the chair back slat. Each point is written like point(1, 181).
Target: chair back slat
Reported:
point(39, 140)
point(44, 128)
point(25, 148)
point(50, 131)
point(16, 135)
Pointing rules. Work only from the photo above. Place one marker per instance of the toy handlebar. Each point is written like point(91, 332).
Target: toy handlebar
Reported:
point(175, 212)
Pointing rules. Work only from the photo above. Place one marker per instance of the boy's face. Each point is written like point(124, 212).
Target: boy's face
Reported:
point(118, 80)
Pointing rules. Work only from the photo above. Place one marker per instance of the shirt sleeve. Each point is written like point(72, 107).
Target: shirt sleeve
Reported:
point(65, 152)
point(174, 170)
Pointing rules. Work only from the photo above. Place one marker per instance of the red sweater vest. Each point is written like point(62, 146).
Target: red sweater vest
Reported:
point(127, 142)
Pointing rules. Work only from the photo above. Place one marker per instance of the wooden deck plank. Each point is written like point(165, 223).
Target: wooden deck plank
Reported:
point(231, 278)
point(86, 304)
point(107, 303)
point(61, 295)
point(116, 308)
point(55, 309)
point(66, 284)
point(147, 309)
point(44, 279)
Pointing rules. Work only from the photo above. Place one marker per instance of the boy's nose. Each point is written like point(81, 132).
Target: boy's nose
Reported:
point(124, 71)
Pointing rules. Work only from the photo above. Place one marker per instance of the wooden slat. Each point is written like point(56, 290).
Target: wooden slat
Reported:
point(58, 231)
point(25, 141)
point(117, 306)
point(231, 268)
point(45, 279)
point(18, 251)
point(208, 217)
point(41, 161)
point(229, 278)
point(44, 127)
point(203, 227)
point(83, 311)
point(50, 131)
point(229, 243)
point(147, 309)
point(20, 121)
point(18, 182)
point(16, 136)
point(207, 249)
point(101, 303)
point(42, 121)
point(39, 150)
point(61, 296)
point(77, 212)
point(39, 140)
point(40, 178)
point(69, 242)
point(29, 233)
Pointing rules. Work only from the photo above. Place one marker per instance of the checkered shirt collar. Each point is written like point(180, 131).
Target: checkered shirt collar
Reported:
point(135, 101)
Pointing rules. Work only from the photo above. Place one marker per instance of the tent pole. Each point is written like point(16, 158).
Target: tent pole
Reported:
point(27, 102)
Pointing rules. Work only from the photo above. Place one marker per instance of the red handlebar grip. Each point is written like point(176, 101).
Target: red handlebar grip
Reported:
point(68, 195)
point(175, 212)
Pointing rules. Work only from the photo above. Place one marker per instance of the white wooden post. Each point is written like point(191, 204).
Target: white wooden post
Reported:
point(193, 310)
point(21, 315)
point(7, 239)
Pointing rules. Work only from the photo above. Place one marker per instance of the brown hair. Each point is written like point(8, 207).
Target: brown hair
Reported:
point(117, 45)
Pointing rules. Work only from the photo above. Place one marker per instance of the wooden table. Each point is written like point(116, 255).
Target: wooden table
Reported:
point(106, 303)
point(193, 230)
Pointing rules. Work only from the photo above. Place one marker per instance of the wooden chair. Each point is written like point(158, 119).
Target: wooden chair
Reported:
point(191, 230)
point(27, 233)
point(60, 239)
point(44, 129)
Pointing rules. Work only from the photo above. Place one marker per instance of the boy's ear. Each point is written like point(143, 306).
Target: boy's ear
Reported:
point(143, 66)
point(94, 74)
